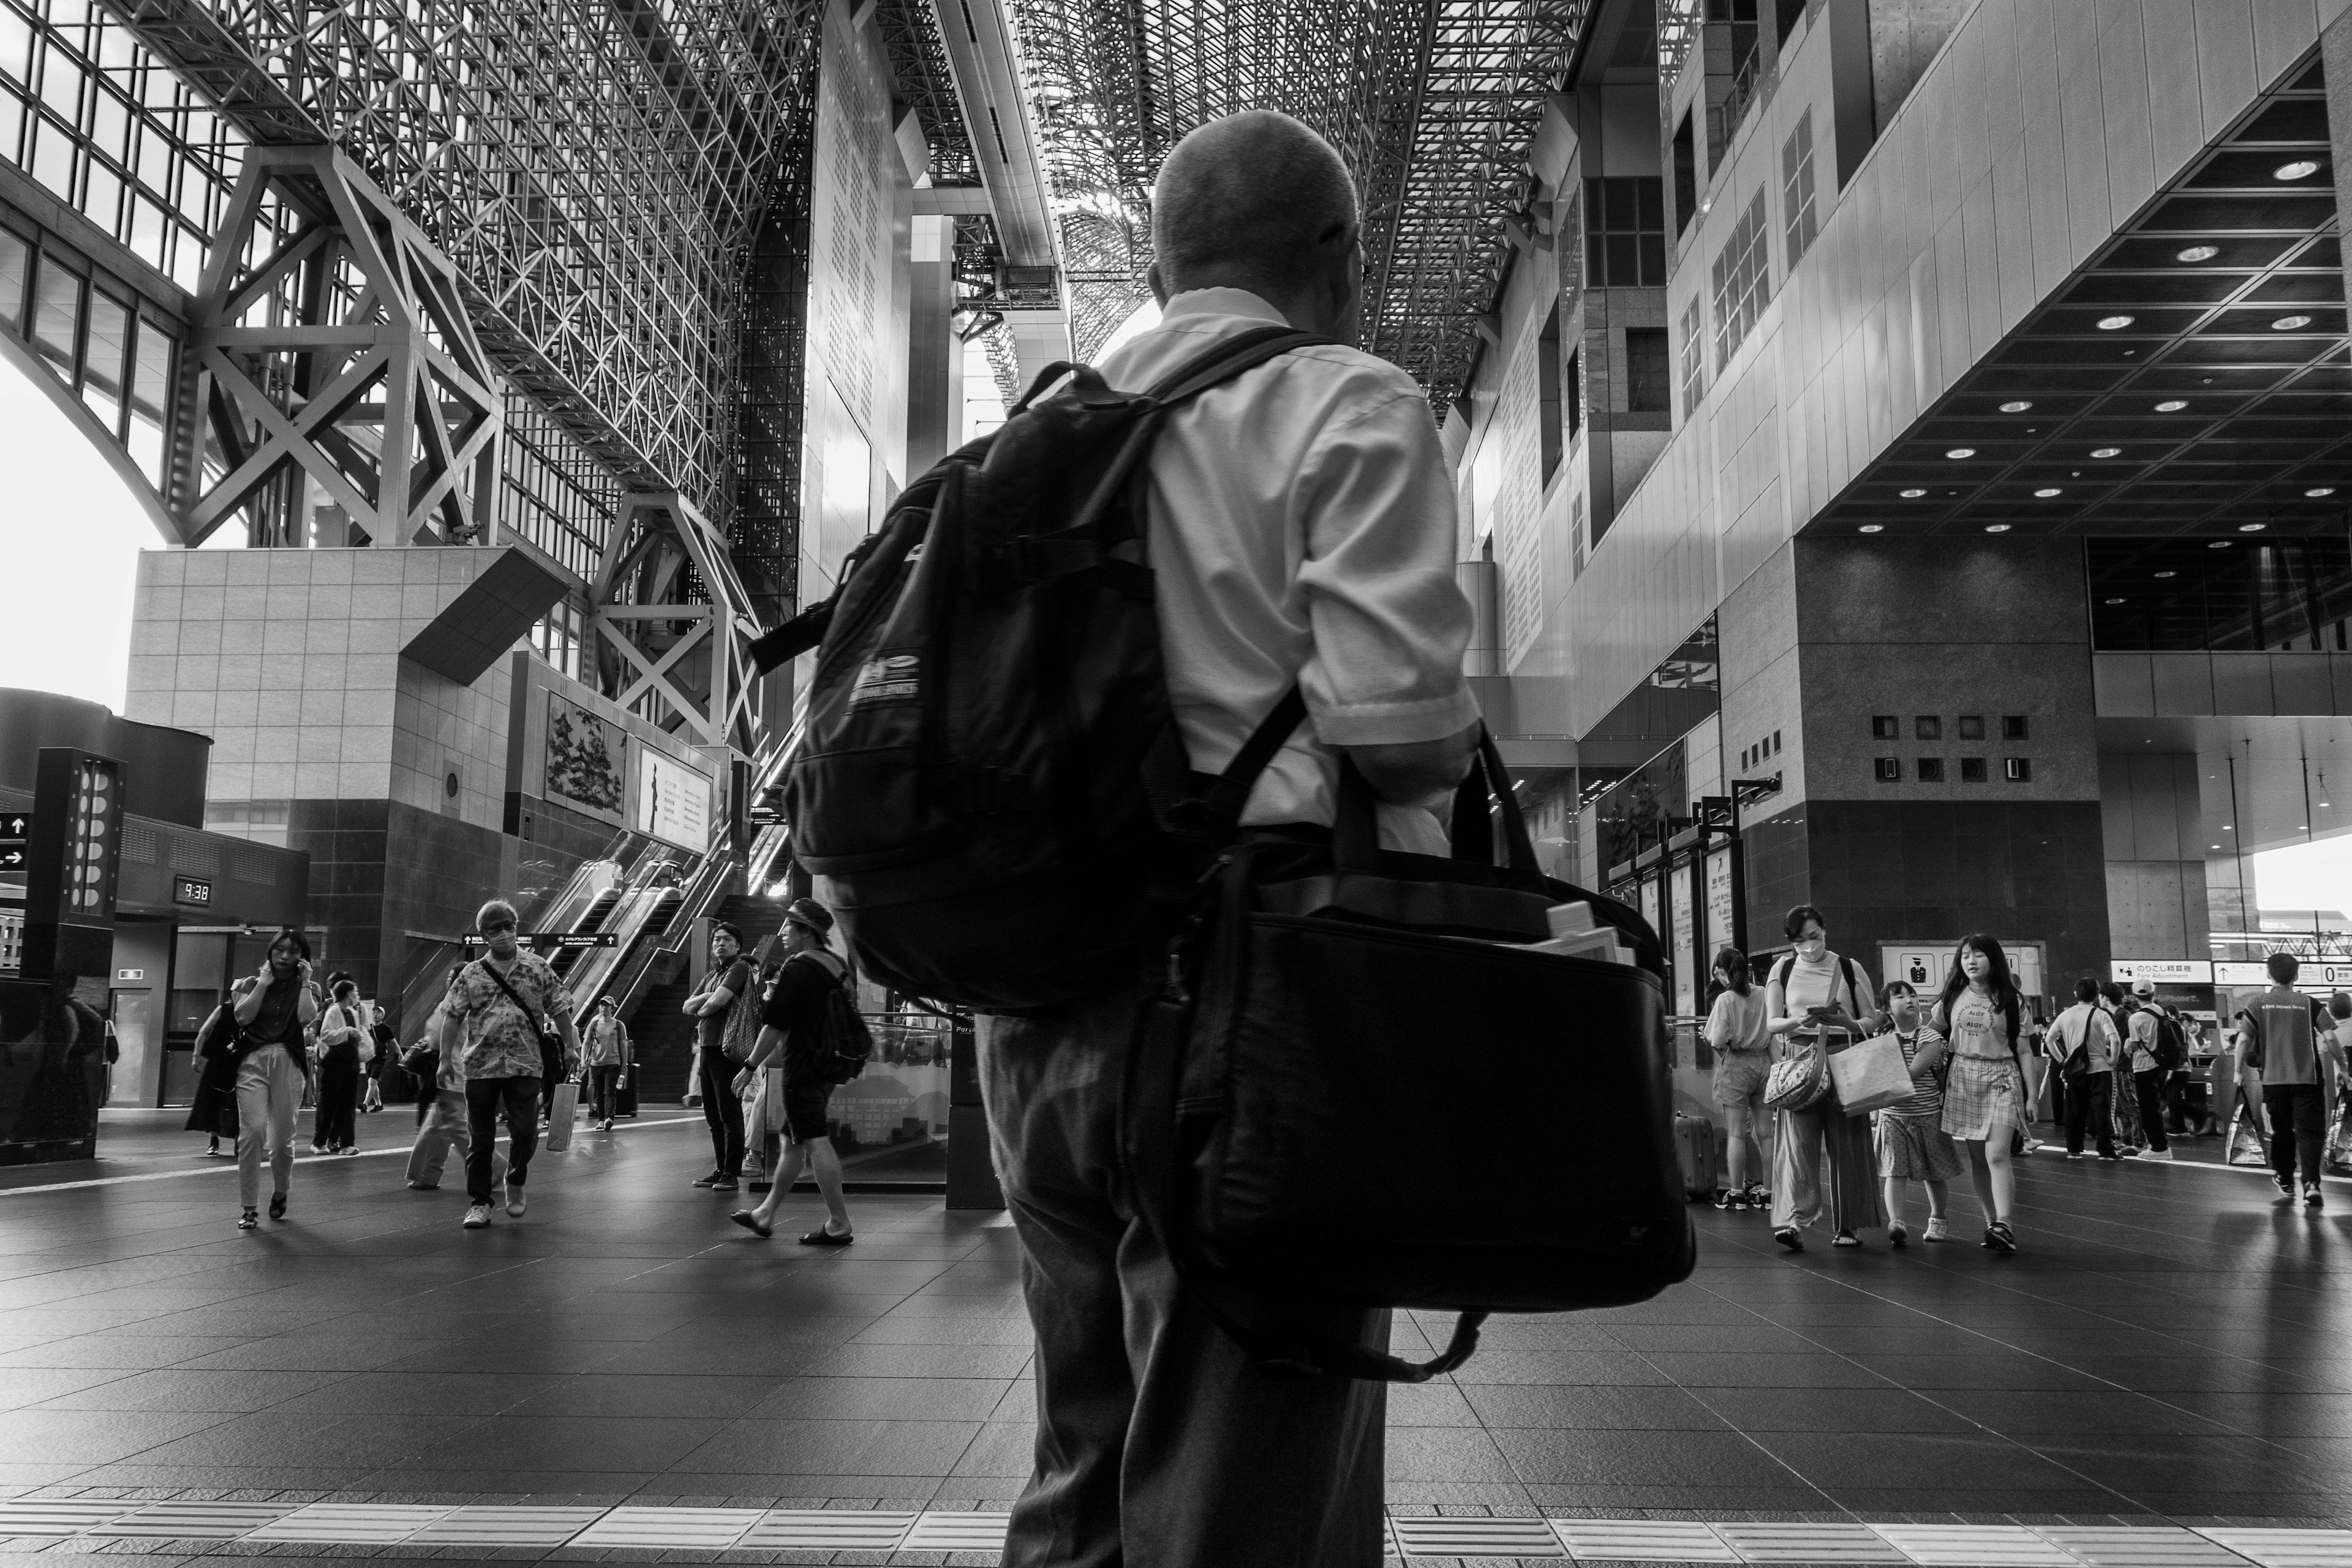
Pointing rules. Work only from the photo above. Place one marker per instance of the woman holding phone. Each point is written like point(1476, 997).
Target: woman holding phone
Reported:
point(272, 1007)
point(1818, 1000)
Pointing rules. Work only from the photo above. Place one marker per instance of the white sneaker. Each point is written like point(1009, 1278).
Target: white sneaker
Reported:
point(2156, 1154)
point(478, 1216)
point(514, 1202)
point(1936, 1231)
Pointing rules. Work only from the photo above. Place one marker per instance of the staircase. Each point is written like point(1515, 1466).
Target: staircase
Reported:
point(663, 1037)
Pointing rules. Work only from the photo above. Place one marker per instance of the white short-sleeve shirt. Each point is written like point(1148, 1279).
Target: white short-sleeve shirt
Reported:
point(1301, 531)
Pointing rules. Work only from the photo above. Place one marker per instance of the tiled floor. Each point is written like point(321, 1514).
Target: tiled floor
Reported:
point(2168, 1349)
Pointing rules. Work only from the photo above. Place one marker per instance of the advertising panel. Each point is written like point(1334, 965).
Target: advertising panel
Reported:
point(1722, 911)
point(673, 801)
point(1682, 883)
point(586, 756)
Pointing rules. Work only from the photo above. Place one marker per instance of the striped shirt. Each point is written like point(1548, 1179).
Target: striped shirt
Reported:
point(1927, 1101)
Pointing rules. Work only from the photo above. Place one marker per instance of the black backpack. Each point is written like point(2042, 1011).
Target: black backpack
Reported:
point(2171, 1051)
point(991, 776)
point(848, 1043)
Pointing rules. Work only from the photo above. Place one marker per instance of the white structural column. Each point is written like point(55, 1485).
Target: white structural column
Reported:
point(693, 656)
point(336, 369)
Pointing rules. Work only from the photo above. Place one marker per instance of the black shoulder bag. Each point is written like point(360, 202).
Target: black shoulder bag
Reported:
point(551, 1043)
point(1320, 996)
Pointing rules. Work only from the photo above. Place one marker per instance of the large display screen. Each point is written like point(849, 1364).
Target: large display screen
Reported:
point(673, 801)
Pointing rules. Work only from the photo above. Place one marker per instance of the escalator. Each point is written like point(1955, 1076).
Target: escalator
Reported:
point(566, 959)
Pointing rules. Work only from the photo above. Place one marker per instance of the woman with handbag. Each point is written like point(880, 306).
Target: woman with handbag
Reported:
point(335, 1131)
point(1982, 1019)
point(272, 1008)
point(1820, 1002)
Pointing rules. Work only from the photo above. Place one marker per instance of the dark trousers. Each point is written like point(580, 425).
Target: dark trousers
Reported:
point(2087, 1107)
point(484, 1096)
point(2148, 1088)
point(2298, 1126)
point(723, 1109)
point(336, 1124)
point(603, 1091)
point(1159, 1444)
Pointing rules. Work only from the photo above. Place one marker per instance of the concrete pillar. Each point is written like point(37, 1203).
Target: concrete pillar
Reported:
point(934, 356)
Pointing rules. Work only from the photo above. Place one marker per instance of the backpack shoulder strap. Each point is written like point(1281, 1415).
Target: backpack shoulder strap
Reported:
point(1228, 358)
point(1853, 980)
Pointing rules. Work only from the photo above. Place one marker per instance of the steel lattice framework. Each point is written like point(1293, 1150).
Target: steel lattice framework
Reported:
point(596, 169)
point(1432, 101)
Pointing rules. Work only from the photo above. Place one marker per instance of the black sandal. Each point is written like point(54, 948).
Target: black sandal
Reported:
point(2002, 1239)
point(751, 1221)
point(821, 1236)
point(1788, 1236)
point(277, 1205)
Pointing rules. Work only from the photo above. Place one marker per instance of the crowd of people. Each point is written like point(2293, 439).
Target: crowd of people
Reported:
point(2121, 1072)
point(502, 1045)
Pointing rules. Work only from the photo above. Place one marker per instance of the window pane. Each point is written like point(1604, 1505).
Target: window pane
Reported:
point(1625, 269)
point(56, 315)
point(105, 360)
point(1653, 194)
point(1654, 260)
point(16, 273)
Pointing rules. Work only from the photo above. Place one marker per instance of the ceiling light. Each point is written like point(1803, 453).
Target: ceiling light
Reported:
point(2172, 405)
point(1961, 452)
point(1913, 494)
point(2199, 253)
point(1996, 528)
point(2114, 600)
point(2251, 527)
point(2108, 452)
point(2219, 545)
point(2319, 490)
point(2290, 323)
point(2114, 324)
point(2018, 407)
point(2301, 169)
point(2046, 492)
point(2167, 574)
point(1873, 527)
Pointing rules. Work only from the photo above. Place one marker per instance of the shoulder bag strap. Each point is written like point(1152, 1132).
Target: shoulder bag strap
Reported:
point(526, 1012)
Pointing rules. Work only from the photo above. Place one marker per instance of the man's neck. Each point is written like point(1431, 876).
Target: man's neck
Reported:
point(503, 965)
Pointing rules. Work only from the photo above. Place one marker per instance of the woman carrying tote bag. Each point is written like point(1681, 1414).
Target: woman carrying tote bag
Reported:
point(1818, 1000)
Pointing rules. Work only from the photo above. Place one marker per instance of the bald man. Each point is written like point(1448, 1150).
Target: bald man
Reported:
point(1301, 528)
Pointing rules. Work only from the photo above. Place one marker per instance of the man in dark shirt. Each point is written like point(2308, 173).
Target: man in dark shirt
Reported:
point(730, 977)
point(793, 1032)
point(2282, 1031)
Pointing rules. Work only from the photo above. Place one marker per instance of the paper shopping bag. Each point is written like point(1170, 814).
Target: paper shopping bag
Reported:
point(1870, 1076)
point(560, 1113)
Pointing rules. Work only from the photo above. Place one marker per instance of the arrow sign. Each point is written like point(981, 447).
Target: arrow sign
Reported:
point(12, 859)
point(16, 825)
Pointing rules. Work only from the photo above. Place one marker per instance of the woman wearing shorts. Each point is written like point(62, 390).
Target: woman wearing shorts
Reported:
point(1738, 1031)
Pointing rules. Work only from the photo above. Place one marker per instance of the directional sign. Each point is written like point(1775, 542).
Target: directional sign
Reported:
point(15, 826)
point(556, 939)
point(14, 857)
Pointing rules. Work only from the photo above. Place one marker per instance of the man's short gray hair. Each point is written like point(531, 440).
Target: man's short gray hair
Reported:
point(495, 907)
point(1251, 196)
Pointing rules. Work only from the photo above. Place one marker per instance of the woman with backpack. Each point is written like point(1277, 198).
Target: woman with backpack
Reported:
point(1743, 1060)
point(1818, 1001)
point(1982, 1019)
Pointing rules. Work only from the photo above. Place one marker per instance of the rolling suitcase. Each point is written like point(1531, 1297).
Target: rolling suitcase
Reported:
point(624, 1096)
point(1695, 1155)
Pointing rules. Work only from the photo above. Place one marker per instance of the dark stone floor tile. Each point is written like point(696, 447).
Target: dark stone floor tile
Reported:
point(1639, 1459)
point(835, 1447)
point(1764, 1370)
point(510, 1444)
point(816, 1398)
point(2025, 1413)
point(1831, 1410)
point(422, 1394)
point(1446, 1454)
point(1924, 1461)
point(1521, 1367)
point(1502, 1405)
point(93, 1437)
point(619, 1396)
point(172, 1388)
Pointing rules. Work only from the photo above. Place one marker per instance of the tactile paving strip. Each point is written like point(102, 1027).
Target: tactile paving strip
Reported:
point(1643, 1540)
point(352, 1523)
point(2138, 1546)
point(838, 1530)
point(2288, 1548)
point(714, 1529)
point(196, 1520)
point(957, 1532)
point(1425, 1535)
point(1807, 1543)
point(69, 1516)
point(509, 1526)
point(1975, 1546)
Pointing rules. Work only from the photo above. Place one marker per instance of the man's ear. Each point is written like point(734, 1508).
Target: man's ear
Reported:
point(1158, 286)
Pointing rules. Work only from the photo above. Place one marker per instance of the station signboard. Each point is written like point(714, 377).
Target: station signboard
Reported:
point(2162, 971)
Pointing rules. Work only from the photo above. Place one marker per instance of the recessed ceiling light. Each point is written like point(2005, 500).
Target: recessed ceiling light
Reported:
point(2167, 574)
point(1996, 528)
point(1873, 527)
point(2114, 324)
point(2016, 407)
point(2114, 600)
point(1961, 452)
point(2172, 405)
point(2219, 545)
point(2251, 527)
point(2046, 492)
point(2319, 490)
point(2290, 323)
point(2108, 452)
point(1913, 494)
point(2199, 253)
point(2301, 169)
